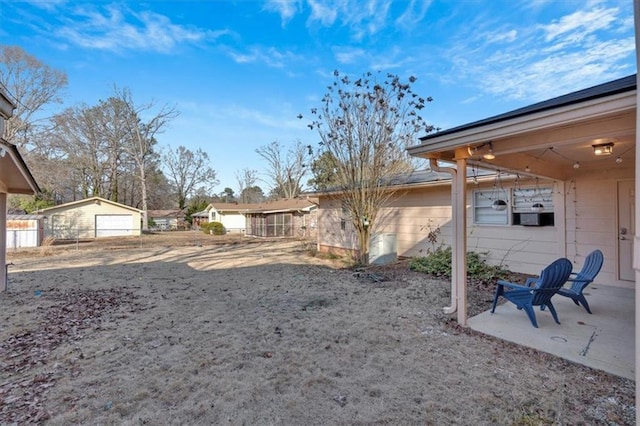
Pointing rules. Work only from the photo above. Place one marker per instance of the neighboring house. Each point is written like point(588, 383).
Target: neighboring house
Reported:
point(166, 220)
point(91, 218)
point(199, 218)
point(231, 215)
point(296, 217)
point(25, 230)
point(283, 218)
point(15, 178)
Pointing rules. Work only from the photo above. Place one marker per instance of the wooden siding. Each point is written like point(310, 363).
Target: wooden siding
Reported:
point(79, 220)
point(585, 218)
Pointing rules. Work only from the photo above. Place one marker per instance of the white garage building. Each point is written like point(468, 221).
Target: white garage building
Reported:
point(91, 218)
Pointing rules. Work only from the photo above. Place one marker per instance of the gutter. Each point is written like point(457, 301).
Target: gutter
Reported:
point(433, 163)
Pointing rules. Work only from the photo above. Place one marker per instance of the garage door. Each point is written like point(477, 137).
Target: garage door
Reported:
point(113, 225)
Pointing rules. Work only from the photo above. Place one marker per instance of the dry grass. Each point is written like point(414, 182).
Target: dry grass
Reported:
point(259, 332)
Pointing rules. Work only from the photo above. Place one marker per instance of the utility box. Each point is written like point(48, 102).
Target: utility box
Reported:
point(383, 249)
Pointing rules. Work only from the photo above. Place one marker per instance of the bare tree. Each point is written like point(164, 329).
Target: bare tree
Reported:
point(246, 179)
point(286, 169)
point(365, 126)
point(143, 124)
point(33, 85)
point(252, 194)
point(188, 171)
point(77, 136)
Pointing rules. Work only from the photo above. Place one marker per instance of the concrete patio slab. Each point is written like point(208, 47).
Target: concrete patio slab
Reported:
point(604, 340)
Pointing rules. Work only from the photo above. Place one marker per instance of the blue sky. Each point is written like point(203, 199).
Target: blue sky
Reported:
point(240, 71)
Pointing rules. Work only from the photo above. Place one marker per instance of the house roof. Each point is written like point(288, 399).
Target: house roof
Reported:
point(427, 177)
point(203, 213)
point(96, 200)
point(296, 204)
point(15, 177)
point(610, 88)
point(24, 216)
point(172, 213)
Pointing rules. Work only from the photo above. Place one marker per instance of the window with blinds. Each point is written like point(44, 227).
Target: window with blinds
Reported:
point(524, 198)
point(525, 206)
point(483, 213)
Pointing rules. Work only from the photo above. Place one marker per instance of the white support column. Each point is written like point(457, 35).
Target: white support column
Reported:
point(636, 240)
point(3, 240)
point(459, 256)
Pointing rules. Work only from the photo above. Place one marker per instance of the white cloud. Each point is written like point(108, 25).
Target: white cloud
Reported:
point(269, 56)
point(413, 14)
point(49, 5)
point(577, 25)
point(498, 37)
point(321, 12)
point(118, 29)
point(360, 17)
point(348, 55)
point(287, 9)
point(537, 62)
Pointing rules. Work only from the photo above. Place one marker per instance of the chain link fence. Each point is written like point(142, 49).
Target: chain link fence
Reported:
point(135, 238)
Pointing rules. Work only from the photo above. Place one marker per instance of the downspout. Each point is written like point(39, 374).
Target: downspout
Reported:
point(433, 163)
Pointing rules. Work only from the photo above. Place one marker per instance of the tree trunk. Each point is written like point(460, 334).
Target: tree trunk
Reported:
point(143, 188)
point(364, 238)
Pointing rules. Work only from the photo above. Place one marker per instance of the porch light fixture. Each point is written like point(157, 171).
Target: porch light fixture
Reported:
point(473, 150)
point(489, 155)
point(603, 149)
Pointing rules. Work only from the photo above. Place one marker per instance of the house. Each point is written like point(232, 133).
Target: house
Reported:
point(283, 218)
point(573, 155)
point(294, 217)
point(579, 150)
point(199, 218)
point(15, 178)
point(91, 218)
point(166, 220)
point(586, 143)
point(231, 215)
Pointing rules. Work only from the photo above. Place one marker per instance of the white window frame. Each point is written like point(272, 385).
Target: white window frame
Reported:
point(484, 214)
point(523, 198)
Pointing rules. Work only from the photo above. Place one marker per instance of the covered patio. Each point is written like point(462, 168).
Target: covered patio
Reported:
point(604, 340)
point(584, 145)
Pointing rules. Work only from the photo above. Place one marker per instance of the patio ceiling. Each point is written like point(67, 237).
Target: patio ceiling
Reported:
point(547, 142)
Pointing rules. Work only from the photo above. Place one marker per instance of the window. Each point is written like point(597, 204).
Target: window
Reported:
point(483, 213)
point(533, 206)
point(343, 219)
point(525, 206)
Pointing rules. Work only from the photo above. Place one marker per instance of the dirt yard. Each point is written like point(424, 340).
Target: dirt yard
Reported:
point(210, 331)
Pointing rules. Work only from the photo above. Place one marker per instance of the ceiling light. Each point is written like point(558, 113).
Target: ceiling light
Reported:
point(576, 165)
point(603, 149)
point(473, 150)
point(489, 155)
point(619, 160)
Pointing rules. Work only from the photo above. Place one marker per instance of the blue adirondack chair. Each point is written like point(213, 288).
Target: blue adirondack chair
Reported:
point(547, 285)
point(580, 280)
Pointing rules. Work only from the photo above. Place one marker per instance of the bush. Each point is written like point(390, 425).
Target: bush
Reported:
point(438, 263)
point(213, 228)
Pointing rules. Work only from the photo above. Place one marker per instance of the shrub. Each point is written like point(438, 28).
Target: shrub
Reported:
point(438, 263)
point(213, 228)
